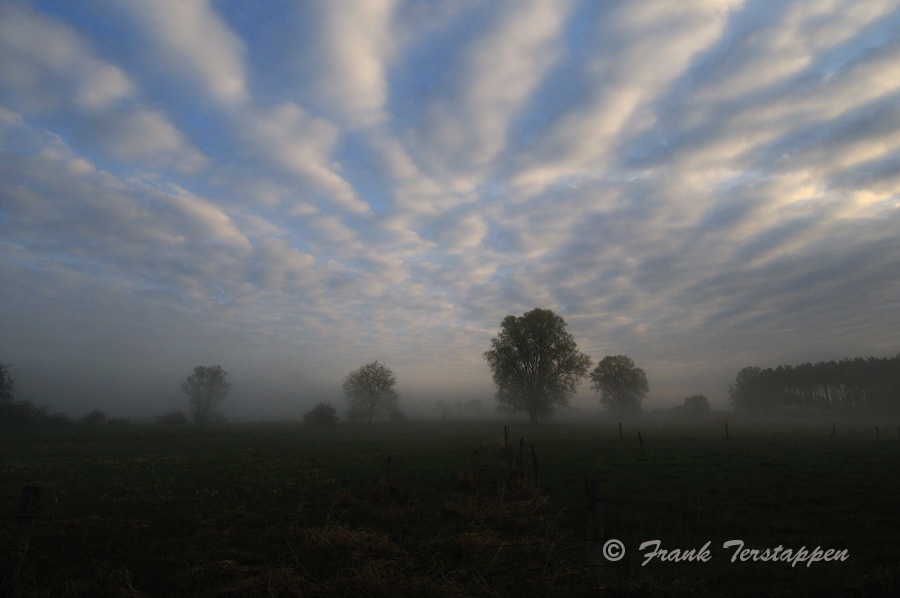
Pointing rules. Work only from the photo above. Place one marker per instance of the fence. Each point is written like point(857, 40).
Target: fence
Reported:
point(594, 533)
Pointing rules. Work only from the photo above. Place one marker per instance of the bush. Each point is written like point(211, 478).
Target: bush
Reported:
point(22, 414)
point(322, 414)
point(94, 418)
point(696, 405)
point(173, 418)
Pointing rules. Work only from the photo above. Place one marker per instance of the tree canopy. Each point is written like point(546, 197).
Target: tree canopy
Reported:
point(621, 384)
point(370, 392)
point(206, 387)
point(535, 362)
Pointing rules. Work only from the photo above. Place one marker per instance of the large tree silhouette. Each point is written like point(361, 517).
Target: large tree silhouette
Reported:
point(621, 384)
point(535, 363)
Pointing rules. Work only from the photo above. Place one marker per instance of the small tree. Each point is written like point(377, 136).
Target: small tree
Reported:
point(7, 383)
point(621, 385)
point(696, 405)
point(370, 391)
point(535, 363)
point(752, 390)
point(323, 415)
point(206, 388)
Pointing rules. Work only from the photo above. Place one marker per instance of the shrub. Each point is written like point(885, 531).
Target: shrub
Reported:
point(22, 414)
point(696, 405)
point(94, 418)
point(322, 414)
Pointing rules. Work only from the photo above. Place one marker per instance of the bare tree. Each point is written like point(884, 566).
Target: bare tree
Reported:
point(370, 391)
point(206, 388)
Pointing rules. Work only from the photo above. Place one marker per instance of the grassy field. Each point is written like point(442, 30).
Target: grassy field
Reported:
point(441, 509)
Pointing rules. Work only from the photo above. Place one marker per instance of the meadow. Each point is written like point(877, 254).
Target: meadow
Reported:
point(444, 509)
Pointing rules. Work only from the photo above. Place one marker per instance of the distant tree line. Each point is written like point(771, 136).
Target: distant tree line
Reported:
point(857, 384)
point(22, 414)
point(206, 388)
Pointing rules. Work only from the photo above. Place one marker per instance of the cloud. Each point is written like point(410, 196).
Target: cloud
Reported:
point(53, 73)
point(198, 43)
point(497, 75)
point(640, 51)
point(45, 63)
point(301, 145)
point(356, 45)
point(147, 137)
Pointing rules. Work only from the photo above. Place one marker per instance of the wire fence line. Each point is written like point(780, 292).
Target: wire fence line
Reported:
point(481, 517)
point(223, 521)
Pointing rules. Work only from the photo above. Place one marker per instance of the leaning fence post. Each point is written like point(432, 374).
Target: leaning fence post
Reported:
point(594, 530)
point(19, 545)
point(641, 438)
point(520, 463)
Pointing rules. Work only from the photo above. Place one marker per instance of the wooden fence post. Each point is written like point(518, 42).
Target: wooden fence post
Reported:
point(641, 438)
point(833, 430)
point(620, 431)
point(520, 463)
point(594, 530)
point(19, 546)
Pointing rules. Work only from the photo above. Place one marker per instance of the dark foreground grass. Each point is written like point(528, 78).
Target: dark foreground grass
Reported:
point(441, 509)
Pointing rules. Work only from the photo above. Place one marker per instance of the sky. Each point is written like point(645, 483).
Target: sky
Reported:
point(295, 189)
